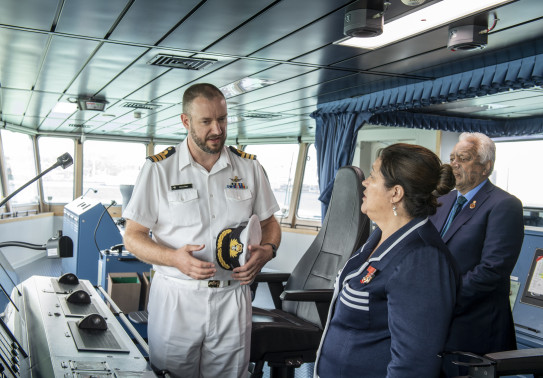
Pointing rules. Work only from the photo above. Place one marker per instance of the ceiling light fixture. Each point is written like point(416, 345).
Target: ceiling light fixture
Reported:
point(432, 16)
point(413, 3)
point(245, 85)
point(64, 108)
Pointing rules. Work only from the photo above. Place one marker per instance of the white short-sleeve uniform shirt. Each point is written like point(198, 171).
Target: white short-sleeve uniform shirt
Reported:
point(182, 203)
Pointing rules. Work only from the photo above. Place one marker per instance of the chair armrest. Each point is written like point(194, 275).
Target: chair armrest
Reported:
point(506, 363)
point(275, 284)
point(321, 297)
point(271, 277)
point(314, 295)
point(522, 361)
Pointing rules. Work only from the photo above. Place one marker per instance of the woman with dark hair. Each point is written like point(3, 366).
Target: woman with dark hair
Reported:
point(394, 299)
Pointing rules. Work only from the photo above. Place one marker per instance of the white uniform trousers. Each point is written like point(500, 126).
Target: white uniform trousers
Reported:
point(197, 331)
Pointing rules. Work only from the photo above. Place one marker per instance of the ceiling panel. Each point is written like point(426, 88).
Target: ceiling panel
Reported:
point(19, 65)
point(14, 101)
point(509, 104)
point(35, 14)
point(90, 18)
point(65, 58)
point(108, 62)
point(147, 22)
point(226, 75)
point(133, 77)
point(290, 89)
point(309, 38)
point(159, 90)
point(40, 104)
point(283, 18)
point(212, 21)
point(59, 50)
point(51, 124)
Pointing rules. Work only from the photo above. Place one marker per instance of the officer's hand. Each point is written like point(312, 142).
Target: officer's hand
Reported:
point(260, 255)
point(190, 265)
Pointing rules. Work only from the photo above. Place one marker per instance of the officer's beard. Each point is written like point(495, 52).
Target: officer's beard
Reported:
point(201, 143)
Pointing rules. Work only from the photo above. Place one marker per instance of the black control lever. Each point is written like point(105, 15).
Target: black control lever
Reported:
point(93, 322)
point(79, 297)
point(68, 279)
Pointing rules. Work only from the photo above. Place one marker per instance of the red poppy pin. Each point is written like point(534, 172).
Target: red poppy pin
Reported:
point(369, 276)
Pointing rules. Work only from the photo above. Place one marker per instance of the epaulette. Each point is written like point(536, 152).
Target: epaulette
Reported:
point(162, 155)
point(242, 154)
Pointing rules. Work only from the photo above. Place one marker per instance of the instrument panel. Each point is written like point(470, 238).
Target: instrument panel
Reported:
point(61, 327)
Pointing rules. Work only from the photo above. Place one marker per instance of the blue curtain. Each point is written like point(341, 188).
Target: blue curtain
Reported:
point(335, 142)
point(492, 128)
point(521, 73)
point(338, 121)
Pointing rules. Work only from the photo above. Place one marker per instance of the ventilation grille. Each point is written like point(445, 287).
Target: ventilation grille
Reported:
point(180, 62)
point(78, 125)
point(137, 105)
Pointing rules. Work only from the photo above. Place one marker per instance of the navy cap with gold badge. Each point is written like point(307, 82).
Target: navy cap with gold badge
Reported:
point(232, 243)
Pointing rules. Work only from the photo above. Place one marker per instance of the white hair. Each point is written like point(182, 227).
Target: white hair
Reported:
point(486, 149)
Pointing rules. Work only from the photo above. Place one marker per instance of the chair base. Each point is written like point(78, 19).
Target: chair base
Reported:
point(276, 371)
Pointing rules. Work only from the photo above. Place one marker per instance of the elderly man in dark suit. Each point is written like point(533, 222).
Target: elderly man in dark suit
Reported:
point(483, 227)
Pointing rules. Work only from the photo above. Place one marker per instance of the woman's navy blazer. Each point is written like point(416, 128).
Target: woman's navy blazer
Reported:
point(391, 313)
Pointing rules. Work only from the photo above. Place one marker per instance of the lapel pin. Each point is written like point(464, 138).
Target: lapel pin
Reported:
point(472, 205)
point(369, 276)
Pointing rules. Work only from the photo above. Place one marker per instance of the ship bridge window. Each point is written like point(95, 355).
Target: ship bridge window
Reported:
point(162, 147)
point(109, 164)
point(279, 161)
point(20, 167)
point(309, 206)
point(58, 184)
point(516, 170)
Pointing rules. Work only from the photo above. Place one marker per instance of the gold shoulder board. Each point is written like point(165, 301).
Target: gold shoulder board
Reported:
point(242, 154)
point(162, 155)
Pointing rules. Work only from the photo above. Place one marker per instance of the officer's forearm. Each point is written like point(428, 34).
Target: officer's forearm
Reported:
point(137, 241)
point(271, 231)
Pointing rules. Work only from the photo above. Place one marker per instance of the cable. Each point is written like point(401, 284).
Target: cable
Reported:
point(98, 224)
point(386, 4)
point(494, 23)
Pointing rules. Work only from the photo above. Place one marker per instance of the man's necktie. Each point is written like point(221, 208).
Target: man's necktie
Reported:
point(461, 200)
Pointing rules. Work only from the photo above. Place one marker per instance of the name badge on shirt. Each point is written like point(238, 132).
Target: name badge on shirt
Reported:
point(181, 186)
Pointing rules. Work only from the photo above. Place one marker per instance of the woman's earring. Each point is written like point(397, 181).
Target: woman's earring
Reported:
point(394, 210)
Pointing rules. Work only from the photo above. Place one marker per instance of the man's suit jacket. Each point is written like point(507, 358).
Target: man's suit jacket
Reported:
point(485, 239)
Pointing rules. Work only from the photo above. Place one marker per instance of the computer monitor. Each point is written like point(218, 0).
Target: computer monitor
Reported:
point(533, 289)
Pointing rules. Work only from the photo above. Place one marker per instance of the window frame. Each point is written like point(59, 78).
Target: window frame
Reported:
point(292, 221)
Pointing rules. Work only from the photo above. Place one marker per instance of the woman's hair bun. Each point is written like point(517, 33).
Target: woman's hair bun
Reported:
point(446, 181)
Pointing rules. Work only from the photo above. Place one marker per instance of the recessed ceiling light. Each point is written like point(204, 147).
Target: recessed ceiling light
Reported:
point(427, 18)
point(245, 85)
point(64, 108)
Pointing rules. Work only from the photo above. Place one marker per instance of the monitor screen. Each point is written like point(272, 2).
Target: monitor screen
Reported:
point(533, 289)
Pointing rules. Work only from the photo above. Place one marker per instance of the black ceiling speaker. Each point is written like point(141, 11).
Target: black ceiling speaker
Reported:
point(364, 19)
point(467, 37)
